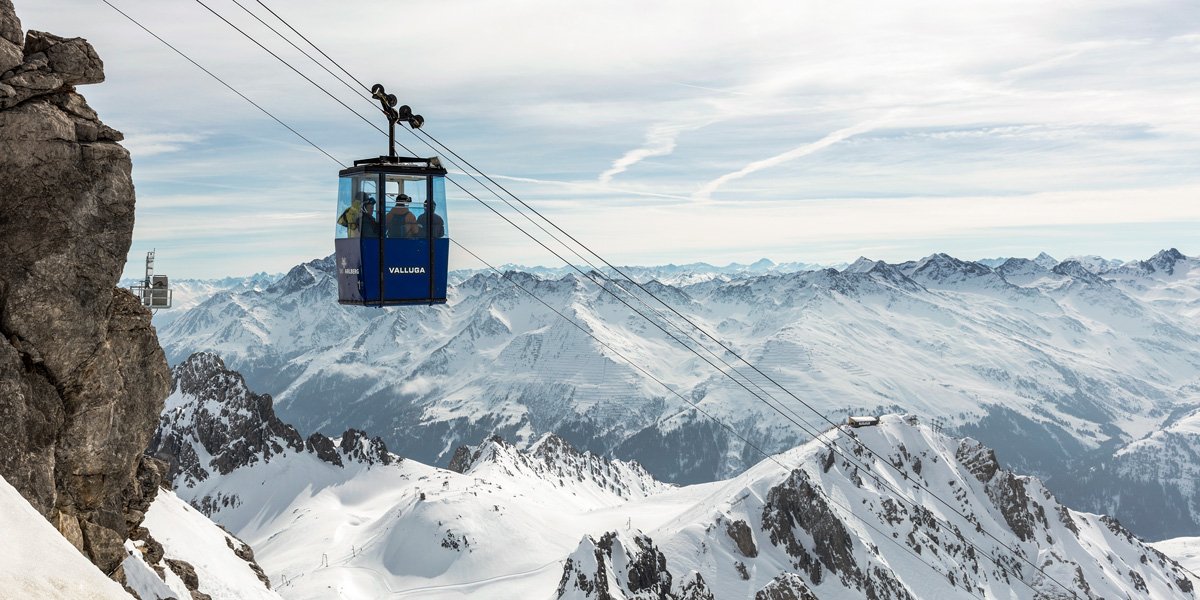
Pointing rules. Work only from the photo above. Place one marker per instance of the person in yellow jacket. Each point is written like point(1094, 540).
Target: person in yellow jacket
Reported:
point(349, 217)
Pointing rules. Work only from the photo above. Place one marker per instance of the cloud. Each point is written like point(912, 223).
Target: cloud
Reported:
point(1000, 99)
point(589, 186)
point(704, 194)
point(144, 145)
point(660, 141)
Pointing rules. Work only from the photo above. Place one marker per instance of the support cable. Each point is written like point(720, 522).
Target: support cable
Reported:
point(289, 65)
point(602, 286)
point(318, 49)
point(817, 436)
point(222, 82)
point(773, 458)
point(301, 51)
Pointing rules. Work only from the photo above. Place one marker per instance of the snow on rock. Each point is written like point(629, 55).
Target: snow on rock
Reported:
point(1185, 550)
point(203, 556)
point(618, 567)
point(809, 523)
point(551, 460)
point(151, 581)
point(213, 424)
point(38, 562)
point(856, 525)
point(1057, 365)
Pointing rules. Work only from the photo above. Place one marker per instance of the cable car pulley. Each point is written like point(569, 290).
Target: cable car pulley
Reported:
point(391, 243)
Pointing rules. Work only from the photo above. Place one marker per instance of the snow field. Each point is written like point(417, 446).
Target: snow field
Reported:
point(39, 562)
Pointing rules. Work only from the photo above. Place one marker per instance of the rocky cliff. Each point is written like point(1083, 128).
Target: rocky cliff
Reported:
point(82, 377)
point(213, 424)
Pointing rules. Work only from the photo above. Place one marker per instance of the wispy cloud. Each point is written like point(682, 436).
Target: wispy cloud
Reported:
point(609, 190)
point(660, 141)
point(1004, 99)
point(704, 194)
point(144, 145)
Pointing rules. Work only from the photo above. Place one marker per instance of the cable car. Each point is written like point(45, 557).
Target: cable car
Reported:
point(155, 291)
point(391, 241)
point(862, 421)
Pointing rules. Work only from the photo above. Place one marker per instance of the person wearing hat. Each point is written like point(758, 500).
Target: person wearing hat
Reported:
point(399, 217)
point(369, 227)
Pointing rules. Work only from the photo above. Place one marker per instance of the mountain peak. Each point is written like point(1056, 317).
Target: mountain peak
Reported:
point(214, 422)
point(554, 461)
point(942, 267)
point(861, 265)
point(1170, 254)
point(1164, 261)
point(1045, 260)
point(1076, 270)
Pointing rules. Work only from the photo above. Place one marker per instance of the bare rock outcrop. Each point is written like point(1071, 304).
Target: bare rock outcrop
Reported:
point(618, 566)
point(82, 377)
point(213, 413)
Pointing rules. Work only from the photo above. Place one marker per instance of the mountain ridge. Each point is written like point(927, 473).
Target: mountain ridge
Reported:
point(791, 524)
point(1073, 361)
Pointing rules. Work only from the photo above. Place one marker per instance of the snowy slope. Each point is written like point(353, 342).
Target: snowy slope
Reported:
point(38, 562)
point(592, 481)
point(1186, 550)
point(371, 532)
point(224, 566)
point(1057, 365)
point(840, 528)
point(838, 523)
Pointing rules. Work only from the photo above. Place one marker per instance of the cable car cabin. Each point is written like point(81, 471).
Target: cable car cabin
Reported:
point(391, 239)
point(156, 295)
point(862, 421)
point(155, 290)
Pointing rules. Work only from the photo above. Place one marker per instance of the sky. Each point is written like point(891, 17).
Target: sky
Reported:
point(670, 131)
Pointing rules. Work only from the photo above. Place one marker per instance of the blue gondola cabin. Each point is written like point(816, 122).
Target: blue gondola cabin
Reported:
point(391, 239)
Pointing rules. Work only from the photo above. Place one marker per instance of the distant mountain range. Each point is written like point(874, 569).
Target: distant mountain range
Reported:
point(1085, 372)
point(551, 521)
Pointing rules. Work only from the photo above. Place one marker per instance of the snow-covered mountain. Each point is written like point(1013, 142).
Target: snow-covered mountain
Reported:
point(1058, 365)
point(213, 424)
point(189, 556)
point(671, 273)
point(189, 293)
point(555, 522)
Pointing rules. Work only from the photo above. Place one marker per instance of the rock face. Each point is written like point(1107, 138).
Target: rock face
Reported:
point(214, 424)
point(82, 377)
point(552, 459)
point(619, 567)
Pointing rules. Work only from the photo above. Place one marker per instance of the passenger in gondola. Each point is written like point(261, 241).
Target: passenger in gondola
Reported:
point(369, 225)
point(411, 228)
point(399, 217)
point(431, 221)
point(349, 217)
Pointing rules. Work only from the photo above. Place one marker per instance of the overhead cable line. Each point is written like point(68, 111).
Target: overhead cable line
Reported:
point(289, 65)
point(772, 458)
point(222, 82)
point(301, 50)
point(315, 47)
point(816, 436)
